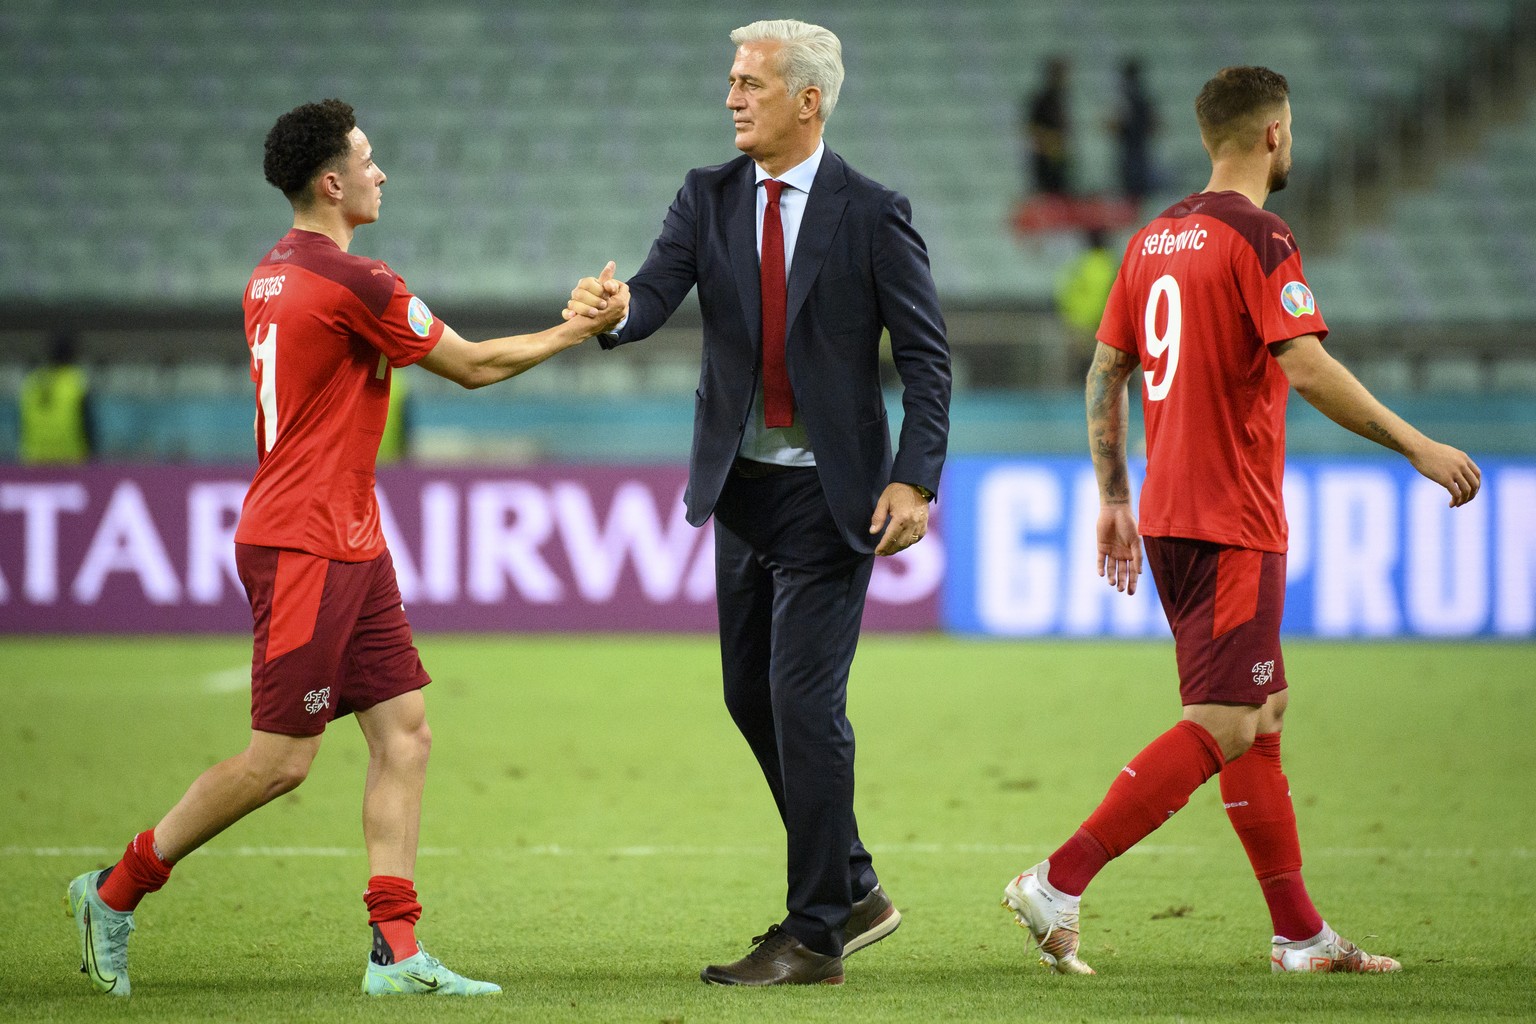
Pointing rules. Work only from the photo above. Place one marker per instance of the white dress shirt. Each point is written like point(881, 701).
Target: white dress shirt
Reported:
point(786, 446)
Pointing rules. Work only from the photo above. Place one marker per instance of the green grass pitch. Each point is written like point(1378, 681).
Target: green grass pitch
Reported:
point(595, 832)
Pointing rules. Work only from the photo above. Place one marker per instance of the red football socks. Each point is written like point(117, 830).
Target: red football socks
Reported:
point(1148, 792)
point(1074, 865)
point(1258, 801)
point(393, 911)
point(139, 873)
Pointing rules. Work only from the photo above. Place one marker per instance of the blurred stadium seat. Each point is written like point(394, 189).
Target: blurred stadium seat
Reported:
point(521, 156)
point(497, 125)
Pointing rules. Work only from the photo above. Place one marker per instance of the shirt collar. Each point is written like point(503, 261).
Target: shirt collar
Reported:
point(305, 235)
point(799, 177)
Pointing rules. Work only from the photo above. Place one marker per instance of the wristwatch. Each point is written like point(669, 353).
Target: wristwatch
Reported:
point(923, 492)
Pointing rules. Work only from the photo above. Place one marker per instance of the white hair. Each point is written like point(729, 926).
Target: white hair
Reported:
point(812, 55)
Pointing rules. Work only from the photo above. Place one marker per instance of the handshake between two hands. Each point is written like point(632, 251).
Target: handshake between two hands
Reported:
point(600, 299)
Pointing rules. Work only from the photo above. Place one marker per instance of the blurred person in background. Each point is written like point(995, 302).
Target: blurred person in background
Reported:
point(57, 419)
point(327, 330)
point(1046, 124)
point(1082, 289)
point(1212, 303)
point(395, 443)
point(1134, 126)
point(800, 262)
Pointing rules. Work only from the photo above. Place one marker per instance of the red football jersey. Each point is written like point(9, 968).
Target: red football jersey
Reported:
point(324, 328)
point(1201, 294)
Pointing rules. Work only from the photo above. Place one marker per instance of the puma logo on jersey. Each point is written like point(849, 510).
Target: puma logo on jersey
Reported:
point(1277, 236)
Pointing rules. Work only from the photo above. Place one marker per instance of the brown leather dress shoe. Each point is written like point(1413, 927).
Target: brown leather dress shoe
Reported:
point(778, 958)
point(872, 919)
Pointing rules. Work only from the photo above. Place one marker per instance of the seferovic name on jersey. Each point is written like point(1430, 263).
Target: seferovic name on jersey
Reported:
point(1165, 242)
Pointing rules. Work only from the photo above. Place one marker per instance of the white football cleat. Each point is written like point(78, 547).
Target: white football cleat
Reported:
point(1326, 952)
point(1050, 917)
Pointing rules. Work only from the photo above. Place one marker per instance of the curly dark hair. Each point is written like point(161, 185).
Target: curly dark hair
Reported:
point(304, 141)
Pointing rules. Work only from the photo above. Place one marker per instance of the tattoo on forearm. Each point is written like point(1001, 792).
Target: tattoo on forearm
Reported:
point(1383, 436)
point(1116, 490)
point(1109, 466)
point(1098, 389)
point(1107, 408)
point(1106, 380)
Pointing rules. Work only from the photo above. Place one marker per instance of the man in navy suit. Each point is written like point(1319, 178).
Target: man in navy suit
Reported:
point(800, 262)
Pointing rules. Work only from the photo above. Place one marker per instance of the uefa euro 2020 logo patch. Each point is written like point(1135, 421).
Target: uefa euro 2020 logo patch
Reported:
point(1297, 299)
point(421, 317)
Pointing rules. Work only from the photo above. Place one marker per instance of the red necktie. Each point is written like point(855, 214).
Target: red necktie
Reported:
point(778, 399)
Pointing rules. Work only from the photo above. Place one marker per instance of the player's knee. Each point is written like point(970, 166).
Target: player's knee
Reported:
point(1239, 736)
point(287, 778)
point(421, 741)
point(286, 774)
point(1272, 715)
point(1236, 744)
point(275, 769)
point(410, 746)
point(270, 779)
point(1232, 728)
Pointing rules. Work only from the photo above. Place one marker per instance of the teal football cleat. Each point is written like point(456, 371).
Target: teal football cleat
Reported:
point(421, 975)
point(103, 936)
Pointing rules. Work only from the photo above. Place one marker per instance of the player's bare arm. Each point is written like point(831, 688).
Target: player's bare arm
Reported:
point(1119, 544)
point(476, 364)
point(1108, 405)
point(1332, 390)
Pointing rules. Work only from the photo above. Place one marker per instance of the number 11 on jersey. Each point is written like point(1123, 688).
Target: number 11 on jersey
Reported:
point(264, 362)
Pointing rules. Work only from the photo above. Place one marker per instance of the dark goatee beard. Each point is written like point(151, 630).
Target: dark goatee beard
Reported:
point(1277, 182)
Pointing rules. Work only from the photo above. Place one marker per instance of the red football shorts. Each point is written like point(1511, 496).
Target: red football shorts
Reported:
point(330, 638)
point(1224, 605)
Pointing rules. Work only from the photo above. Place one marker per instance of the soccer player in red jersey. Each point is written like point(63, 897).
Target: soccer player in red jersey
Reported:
point(326, 330)
point(1212, 303)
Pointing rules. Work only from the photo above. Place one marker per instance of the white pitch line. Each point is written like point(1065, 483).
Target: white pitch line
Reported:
point(229, 680)
point(220, 851)
point(893, 849)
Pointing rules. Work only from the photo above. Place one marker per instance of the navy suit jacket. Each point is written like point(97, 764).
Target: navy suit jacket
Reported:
point(858, 268)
